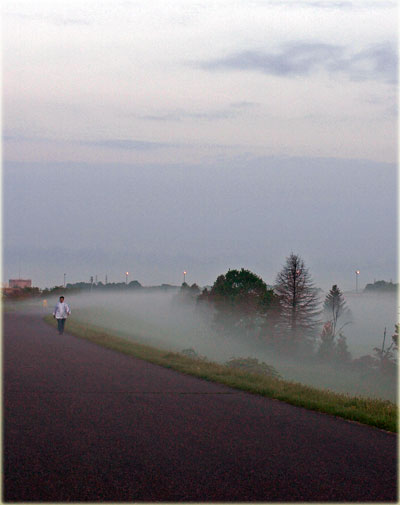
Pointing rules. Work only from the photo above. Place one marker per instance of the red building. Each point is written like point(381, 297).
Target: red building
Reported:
point(20, 283)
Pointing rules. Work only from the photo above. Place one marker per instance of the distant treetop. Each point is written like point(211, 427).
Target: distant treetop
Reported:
point(382, 286)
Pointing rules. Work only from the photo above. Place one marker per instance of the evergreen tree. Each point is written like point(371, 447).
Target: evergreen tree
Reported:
point(335, 308)
point(342, 351)
point(327, 346)
point(299, 301)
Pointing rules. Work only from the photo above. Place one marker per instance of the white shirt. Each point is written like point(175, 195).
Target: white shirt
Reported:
point(61, 310)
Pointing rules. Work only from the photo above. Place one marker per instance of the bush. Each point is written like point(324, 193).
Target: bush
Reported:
point(252, 365)
point(191, 353)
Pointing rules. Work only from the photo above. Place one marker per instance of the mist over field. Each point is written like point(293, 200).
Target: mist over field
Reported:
point(371, 313)
point(161, 319)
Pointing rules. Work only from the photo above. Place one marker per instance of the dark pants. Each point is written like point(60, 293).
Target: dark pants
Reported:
point(61, 323)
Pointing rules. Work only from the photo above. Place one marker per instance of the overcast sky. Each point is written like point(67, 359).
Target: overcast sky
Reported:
point(157, 137)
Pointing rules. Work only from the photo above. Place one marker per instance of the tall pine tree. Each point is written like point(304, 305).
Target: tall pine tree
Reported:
point(335, 308)
point(299, 302)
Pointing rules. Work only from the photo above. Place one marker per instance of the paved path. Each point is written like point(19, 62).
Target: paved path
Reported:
point(82, 423)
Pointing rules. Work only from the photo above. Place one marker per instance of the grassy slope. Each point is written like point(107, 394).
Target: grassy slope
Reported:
point(379, 413)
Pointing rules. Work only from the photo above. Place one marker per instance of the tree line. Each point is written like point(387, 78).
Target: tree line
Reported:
point(289, 317)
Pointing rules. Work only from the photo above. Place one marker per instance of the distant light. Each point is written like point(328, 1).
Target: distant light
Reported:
point(127, 273)
point(185, 272)
point(357, 272)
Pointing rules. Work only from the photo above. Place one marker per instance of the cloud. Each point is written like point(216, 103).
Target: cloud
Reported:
point(180, 115)
point(386, 103)
point(233, 110)
point(52, 19)
point(137, 145)
point(328, 4)
point(300, 58)
point(312, 4)
point(375, 61)
point(131, 145)
point(244, 105)
point(15, 136)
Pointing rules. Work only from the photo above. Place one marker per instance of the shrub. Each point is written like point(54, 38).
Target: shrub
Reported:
point(191, 353)
point(254, 366)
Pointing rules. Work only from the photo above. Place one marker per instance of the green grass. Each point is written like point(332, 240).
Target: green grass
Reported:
point(374, 412)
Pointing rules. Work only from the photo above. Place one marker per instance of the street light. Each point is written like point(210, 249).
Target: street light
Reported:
point(357, 274)
point(126, 277)
point(184, 276)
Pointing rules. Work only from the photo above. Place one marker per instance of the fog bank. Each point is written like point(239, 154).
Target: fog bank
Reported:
point(162, 319)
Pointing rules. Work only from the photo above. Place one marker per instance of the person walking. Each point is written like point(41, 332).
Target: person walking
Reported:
point(61, 312)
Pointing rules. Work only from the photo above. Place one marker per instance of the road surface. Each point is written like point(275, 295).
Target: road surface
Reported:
point(82, 423)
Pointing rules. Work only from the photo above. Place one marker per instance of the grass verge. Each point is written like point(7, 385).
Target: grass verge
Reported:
point(374, 412)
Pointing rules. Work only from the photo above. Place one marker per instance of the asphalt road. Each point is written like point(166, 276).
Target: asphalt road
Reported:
point(82, 423)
